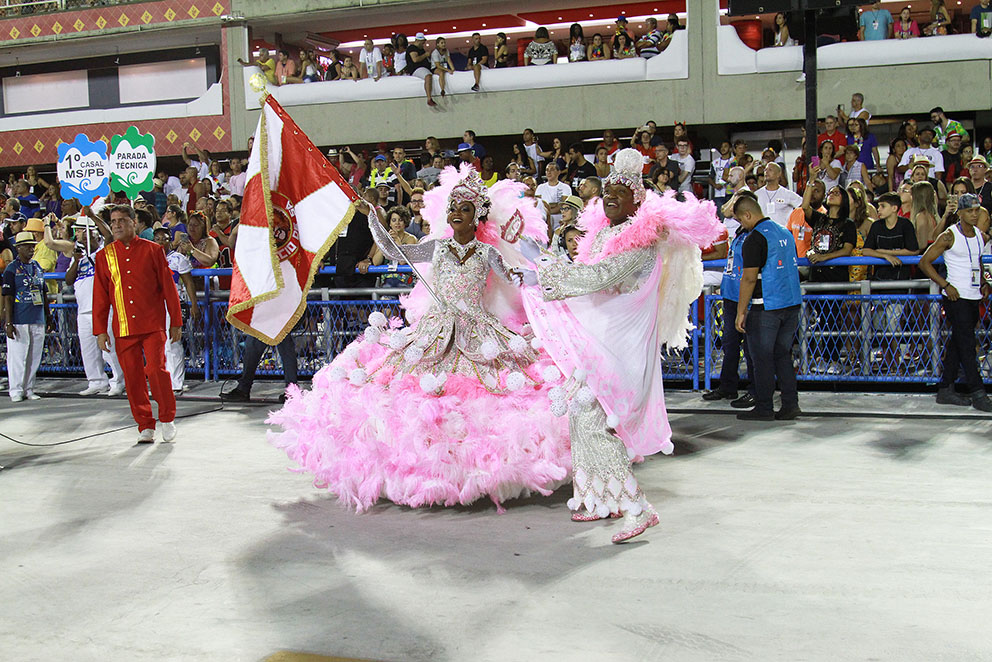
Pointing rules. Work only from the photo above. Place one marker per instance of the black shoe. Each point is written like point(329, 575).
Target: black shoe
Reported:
point(717, 394)
point(235, 395)
point(980, 401)
point(947, 396)
point(784, 414)
point(756, 415)
point(475, 88)
point(282, 399)
point(746, 401)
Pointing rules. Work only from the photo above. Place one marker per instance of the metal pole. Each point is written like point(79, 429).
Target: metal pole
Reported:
point(809, 68)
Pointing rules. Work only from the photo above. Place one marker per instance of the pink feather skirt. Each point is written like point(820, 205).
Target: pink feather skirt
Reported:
point(396, 436)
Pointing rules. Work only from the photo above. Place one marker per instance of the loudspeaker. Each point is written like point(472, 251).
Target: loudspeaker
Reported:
point(830, 4)
point(755, 7)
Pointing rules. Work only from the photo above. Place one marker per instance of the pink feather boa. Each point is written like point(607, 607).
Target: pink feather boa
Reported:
point(690, 222)
point(388, 438)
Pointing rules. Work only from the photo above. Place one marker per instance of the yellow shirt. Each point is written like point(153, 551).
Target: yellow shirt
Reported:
point(46, 259)
point(270, 69)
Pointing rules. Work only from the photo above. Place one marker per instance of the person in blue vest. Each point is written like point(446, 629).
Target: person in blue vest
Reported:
point(768, 310)
point(732, 341)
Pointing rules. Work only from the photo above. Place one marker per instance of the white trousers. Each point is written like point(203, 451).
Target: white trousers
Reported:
point(94, 358)
point(24, 357)
point(175, 358)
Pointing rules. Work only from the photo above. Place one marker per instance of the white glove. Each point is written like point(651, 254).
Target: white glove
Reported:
point(529, 276)
point(529, 249)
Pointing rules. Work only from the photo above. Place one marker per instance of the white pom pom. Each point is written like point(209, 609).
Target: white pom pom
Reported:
point(518, 344)
point(442, 379)
point(489, 349)
point(337, 374)
point(515, 380)
point(556, 394)
point(378, 320)
point(558, 408)
point(526, 330)
point(613, 421)
point(636, 509)
point(350, 352)
point(357, 376)
point(573, 503)
point(629, 162)
point(631, 454)
point(584, 396)
point(428, 384)
point(536, 343)
point(372, 334)
point(397, 340)
point(579, 374)
point(602, 511)
point(551, 374)
point(668, 448)
point(413, 354)
point(423, 341)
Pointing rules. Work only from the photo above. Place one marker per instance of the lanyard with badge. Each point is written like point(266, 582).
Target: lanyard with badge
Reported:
point(976, 272)
point(33, 283)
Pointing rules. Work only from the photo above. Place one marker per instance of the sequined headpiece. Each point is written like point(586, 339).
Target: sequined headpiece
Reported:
point(472, 189)
point(628, 165)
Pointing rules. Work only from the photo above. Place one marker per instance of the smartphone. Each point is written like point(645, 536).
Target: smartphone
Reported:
point(181, 237)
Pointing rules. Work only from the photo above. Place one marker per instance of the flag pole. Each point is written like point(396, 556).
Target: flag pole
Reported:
point(409, 264)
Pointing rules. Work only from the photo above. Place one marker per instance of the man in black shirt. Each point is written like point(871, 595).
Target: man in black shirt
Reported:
point(418, 63)
point(890, 237)
point(977, 168)
point(478, 58)
point(661, 160)
point(578, 167)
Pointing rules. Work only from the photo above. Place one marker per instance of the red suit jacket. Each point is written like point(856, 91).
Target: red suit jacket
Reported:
point(135, 279)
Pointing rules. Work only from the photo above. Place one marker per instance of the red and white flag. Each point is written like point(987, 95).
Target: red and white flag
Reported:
point(295, 205)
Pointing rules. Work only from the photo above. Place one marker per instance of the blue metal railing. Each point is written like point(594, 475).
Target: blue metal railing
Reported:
point(845, 335)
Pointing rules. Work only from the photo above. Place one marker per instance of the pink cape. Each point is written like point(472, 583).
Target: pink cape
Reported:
point(614, 339)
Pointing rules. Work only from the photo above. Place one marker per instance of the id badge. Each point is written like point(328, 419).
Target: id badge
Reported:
point(823, 244)
point(976, 277)
point(874, 25)
point(36, 299)
point(728, 268)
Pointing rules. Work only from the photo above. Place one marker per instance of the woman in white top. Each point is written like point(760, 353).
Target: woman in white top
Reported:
point(577, 44)
point(542, 50)
point(782, 37)
point(827, 166)
point(441, 61)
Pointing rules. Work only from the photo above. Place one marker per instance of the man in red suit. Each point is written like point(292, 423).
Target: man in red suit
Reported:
point(133, 277)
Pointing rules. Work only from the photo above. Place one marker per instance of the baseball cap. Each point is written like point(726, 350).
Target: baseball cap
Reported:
point(420, 37)
point(379, 157)
point(463, 147)
point(158, 183)
point(952, 133)
point(621, 18)
point(979, 160)
point(968, 201)
point(573, 201)
point(449, 154)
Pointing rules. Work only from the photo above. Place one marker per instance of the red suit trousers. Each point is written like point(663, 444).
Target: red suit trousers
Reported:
point(142, 359)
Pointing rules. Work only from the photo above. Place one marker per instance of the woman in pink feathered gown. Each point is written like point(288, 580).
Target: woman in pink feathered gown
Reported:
point(455, 406)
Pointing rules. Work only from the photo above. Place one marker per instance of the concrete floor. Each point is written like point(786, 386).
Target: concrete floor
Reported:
point(833, 538)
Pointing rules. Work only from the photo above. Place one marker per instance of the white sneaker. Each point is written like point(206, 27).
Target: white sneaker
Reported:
point(168, 431)
point(146, 436)
point(16, 398)
point(93, 390)
point(31, 395)
point(115, 390)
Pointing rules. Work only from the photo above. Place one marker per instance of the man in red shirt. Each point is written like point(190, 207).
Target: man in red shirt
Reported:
point(833, 135)
point(133, 276)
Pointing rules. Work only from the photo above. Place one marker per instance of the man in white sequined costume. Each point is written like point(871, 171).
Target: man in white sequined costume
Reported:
point(605, 319)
